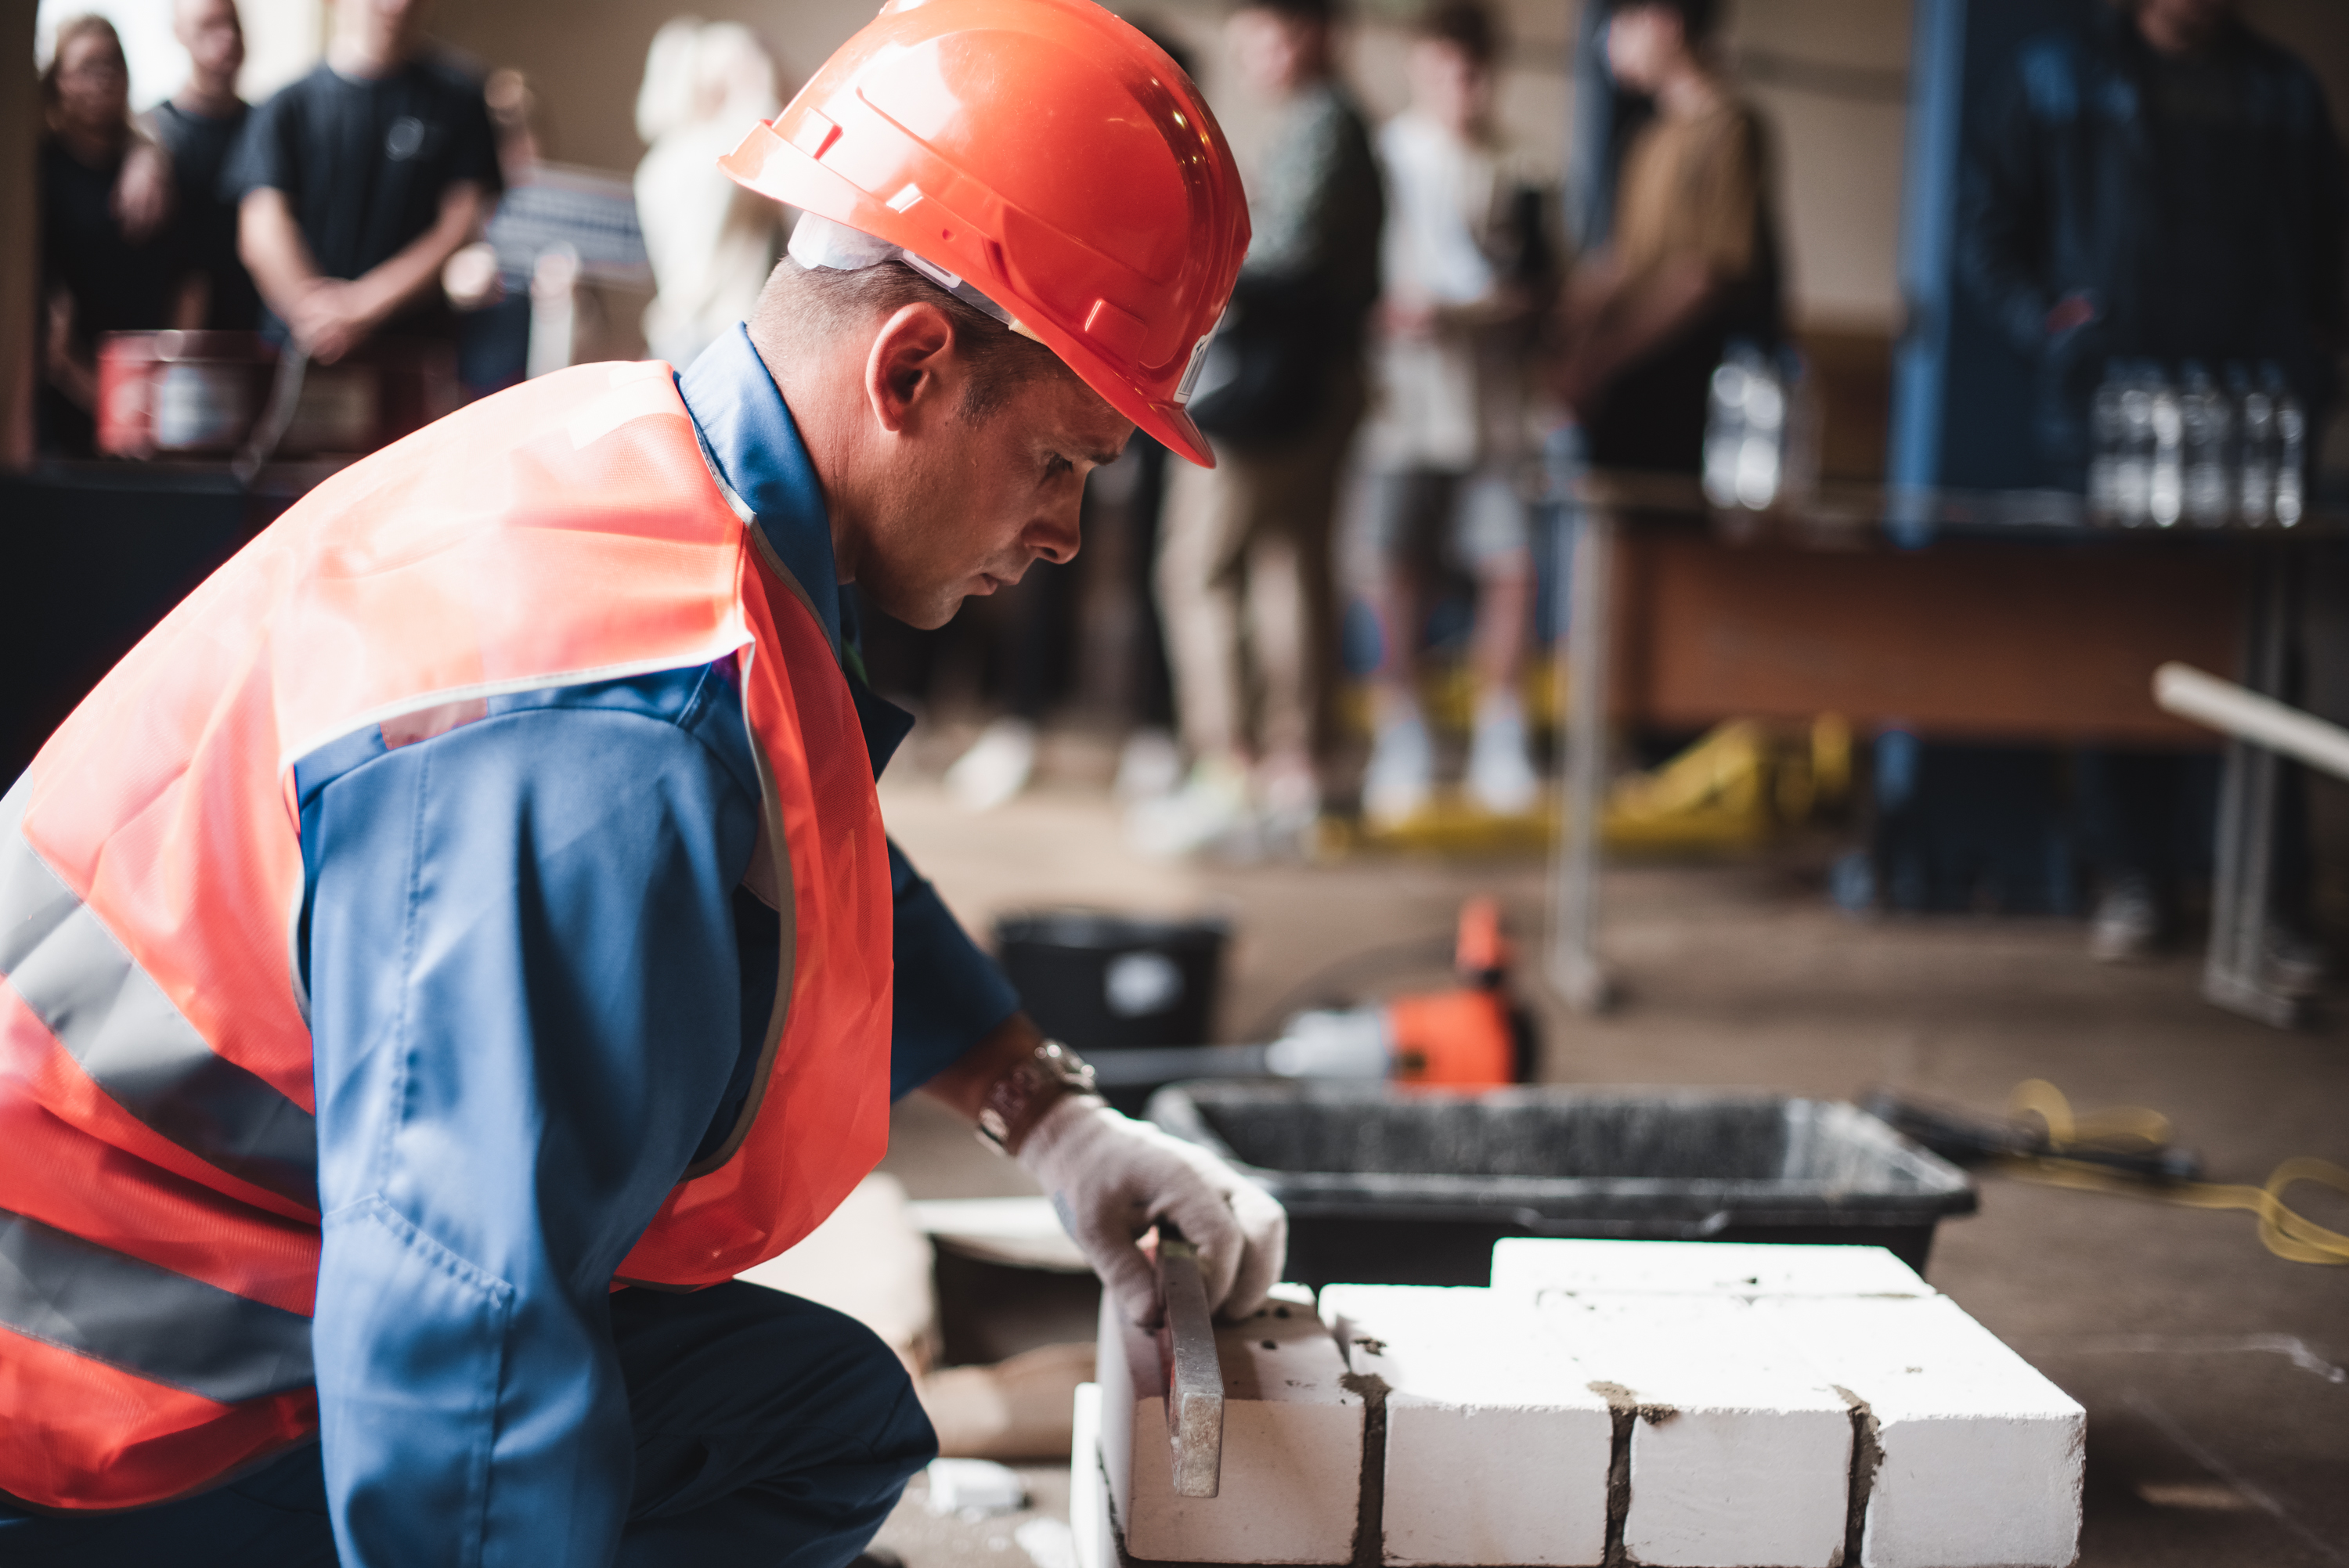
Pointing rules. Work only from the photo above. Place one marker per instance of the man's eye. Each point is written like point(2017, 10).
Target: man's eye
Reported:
point(1056, 465)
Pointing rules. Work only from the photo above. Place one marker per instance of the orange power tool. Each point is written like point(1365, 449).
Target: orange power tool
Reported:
point(1473, 1036)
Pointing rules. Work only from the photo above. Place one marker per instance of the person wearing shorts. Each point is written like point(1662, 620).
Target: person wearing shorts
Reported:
point(1463, 256)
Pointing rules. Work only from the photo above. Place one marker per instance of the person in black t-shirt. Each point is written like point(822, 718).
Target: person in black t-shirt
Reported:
point(198, 126)
point(105, 267)
point(356, 184)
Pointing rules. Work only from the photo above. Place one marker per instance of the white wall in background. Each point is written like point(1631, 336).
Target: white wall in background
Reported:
point(1829, 77)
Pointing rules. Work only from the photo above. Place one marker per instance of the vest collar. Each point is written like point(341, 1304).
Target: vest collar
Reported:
point(754, 445)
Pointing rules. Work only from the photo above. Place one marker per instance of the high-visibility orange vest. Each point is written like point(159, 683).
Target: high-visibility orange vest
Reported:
point(159, 1220)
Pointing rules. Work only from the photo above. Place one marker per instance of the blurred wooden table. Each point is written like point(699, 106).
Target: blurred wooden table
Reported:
point(2001, 616)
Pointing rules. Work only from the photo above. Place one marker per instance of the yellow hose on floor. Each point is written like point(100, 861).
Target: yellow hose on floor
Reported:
point(2284, 1233)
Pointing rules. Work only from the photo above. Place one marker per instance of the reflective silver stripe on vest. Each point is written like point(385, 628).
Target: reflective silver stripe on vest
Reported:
point(115, 1020)
point(163, 1327)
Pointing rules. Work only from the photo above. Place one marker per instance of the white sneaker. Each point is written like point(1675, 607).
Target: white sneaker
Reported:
point(1150, 764)
point(1289, 797)
point(1501, 777)
point(1400, 773)
point(1211, 807)
point(996, 768)
point(2126, 922)
point(2296, 963)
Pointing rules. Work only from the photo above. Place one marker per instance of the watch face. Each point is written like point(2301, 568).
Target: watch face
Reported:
point(1064, 1065)
point(1016, 1101)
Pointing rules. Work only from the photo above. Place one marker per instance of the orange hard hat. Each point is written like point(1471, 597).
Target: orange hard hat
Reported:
point(1044, 154)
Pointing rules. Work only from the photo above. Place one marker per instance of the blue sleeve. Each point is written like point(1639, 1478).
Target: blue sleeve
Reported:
point(949, 994)
point(526, 1005)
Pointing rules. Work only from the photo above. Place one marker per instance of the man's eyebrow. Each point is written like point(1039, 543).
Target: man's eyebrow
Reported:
point(1101, 459)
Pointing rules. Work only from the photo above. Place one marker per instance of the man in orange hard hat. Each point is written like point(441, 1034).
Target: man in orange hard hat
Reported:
point(461, 939)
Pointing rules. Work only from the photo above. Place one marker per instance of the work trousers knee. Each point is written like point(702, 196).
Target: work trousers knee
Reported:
point(769, 1430)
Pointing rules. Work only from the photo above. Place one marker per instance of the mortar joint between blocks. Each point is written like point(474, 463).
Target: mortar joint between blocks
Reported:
point(1867, 1454)
point(1623, 1409)
point(1369, 1519)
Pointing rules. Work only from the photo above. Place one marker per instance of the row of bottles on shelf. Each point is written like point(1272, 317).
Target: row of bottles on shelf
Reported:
point(2197, 450)
point(1759, 429)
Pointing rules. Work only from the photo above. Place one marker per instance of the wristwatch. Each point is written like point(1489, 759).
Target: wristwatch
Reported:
point(1017, 1101)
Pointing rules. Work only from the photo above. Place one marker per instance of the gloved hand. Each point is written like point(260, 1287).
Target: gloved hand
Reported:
point(1112, 1178)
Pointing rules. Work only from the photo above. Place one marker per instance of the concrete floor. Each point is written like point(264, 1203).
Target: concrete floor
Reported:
point(2216, 1375)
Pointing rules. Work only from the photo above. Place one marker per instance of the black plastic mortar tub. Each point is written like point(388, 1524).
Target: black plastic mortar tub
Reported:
point(1392, 1186)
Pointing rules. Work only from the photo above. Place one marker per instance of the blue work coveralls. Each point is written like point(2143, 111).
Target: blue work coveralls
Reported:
point(537, 994)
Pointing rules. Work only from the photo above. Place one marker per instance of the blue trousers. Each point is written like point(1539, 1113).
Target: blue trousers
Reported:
point(769, 1430)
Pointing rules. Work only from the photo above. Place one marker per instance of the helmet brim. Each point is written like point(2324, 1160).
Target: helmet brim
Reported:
point(1179, 433)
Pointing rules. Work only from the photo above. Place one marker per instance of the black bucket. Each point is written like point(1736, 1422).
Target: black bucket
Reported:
point(1394, 1187)
point(1105, 982)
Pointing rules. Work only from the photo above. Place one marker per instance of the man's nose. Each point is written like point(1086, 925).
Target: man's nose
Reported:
point(1056, 535)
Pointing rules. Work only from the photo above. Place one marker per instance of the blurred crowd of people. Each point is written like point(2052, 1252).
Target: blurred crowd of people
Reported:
point(1408, 339)
point(1405, 332)
point(1399, 336)
point(1415, 348)
point(322, 219)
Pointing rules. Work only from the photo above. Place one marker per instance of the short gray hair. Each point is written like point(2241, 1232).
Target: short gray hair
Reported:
point(803, 305)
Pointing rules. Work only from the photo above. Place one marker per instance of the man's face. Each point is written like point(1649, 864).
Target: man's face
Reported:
point(1448, 87)
point(391, 27)
point(1271, 52)
point(212, 36)
point(976, 502)
point(2191, 24)
point(1643, 42)
point(93, 86)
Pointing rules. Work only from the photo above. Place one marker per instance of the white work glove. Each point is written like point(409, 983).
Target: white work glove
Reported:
point(1113, 1178)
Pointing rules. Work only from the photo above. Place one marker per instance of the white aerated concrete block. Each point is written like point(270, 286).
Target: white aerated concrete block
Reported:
point(1530, 1266)
point(1979, 1457)
point(1496, 1448)
point(1088, 1488)
point(1292, 1465)
point(1740, 1454)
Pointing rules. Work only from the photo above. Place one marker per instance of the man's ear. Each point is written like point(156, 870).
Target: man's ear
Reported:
point(910, 365)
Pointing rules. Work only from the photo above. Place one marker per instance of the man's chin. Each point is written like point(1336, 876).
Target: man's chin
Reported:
point(925, 611)
point(926, 607)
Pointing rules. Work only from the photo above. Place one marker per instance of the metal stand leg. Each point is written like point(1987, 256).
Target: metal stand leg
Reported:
point(2234, 975)
point(1575, 970)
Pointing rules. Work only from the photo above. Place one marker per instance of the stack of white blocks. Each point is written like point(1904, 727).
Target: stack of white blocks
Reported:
point(1681, 1404)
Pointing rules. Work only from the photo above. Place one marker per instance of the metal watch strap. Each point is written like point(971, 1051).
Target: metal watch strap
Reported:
point(1018, 1100)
